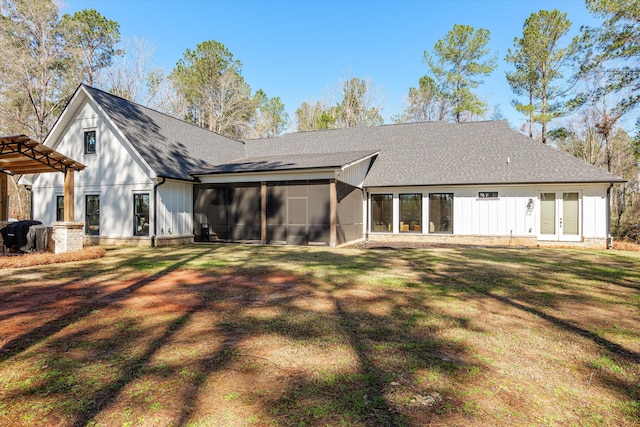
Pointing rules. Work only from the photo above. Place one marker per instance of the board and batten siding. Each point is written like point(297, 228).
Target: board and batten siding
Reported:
point(356, 173)
point(508, 214)
point(115, 173)
point(175, 209)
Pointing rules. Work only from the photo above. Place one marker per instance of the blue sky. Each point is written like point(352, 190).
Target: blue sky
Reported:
point(300, 50)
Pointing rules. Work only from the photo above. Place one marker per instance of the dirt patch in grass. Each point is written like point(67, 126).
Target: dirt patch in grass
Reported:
point(46, 258)
point(271, 336)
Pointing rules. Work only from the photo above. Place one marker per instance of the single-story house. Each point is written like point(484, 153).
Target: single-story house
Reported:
point(154, 179)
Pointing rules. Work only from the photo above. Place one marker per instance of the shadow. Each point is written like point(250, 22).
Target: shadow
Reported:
point(607, 345)
point(43, 332)
point(172, 148)
point(267, 335)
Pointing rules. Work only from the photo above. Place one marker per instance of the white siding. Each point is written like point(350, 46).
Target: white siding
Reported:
point(114, 173)
point(594, 207)
point(175, 209)
point(508, 214)
point(356, 173)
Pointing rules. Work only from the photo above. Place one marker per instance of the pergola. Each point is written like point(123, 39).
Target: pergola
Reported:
point(21, 155)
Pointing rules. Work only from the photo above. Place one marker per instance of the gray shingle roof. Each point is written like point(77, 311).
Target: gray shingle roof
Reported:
point(290, 162)
point(171, 147)
point(432, 153)
point(437, 153)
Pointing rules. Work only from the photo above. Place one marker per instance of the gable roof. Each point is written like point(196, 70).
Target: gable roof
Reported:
point(291, 162)
point(425, 154)
point(171, 147)
point(438, 153)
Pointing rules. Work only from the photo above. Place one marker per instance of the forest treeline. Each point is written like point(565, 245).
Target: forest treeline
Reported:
point(573, 93)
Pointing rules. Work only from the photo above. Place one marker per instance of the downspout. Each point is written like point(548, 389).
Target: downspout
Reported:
point(155, 210)
point(609, 238)
point(368, 216)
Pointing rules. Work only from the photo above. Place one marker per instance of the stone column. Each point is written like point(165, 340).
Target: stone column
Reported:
point(67, 236)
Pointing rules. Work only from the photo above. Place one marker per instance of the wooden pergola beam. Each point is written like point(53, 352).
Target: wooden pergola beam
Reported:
point(4, 207)
point(20, 155)
point(16, 152)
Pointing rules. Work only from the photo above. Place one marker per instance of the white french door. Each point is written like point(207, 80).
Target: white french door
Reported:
point(560, 216)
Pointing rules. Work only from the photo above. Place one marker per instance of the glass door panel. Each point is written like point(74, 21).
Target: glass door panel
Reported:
point(548, 214)
point(570, 214)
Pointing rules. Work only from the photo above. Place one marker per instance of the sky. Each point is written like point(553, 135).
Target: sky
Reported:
point(300, 50)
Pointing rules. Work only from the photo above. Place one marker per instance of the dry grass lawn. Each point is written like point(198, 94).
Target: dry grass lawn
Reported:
point(229, 335)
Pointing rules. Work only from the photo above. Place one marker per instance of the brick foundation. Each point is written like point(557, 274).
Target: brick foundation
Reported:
point(450, 239)
point(67, 237)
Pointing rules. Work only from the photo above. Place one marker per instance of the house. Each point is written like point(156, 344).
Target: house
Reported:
point(153, 179)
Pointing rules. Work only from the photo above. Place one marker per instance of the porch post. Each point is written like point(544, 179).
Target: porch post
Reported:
point(333, 214)
point(69, 196)
point(4, 197)
point(263, 212)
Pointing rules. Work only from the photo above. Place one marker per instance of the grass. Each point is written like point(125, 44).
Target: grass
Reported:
point(266, 336)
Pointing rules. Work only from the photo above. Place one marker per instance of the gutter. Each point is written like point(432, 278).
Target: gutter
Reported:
point(155, 209)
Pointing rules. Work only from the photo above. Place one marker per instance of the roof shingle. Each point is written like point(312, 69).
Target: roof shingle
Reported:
point(171, 147)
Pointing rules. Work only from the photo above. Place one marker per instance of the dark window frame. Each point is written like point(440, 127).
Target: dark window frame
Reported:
point(59, 208)
point(383, 227)
point(412, 225)
point(90, 148)
point(444, 226)
point(140, 218)
point(91, 228)
point(488, 195)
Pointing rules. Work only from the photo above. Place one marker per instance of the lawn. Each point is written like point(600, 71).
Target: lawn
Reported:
point(231, 335)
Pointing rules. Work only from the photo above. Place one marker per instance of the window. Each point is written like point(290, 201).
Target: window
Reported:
point(488, 195)
point(92, 215)
point(441, 213)
point(90, 142)
point(59, 208)
point(410, 212)
point(381, 212)
point(141, 214)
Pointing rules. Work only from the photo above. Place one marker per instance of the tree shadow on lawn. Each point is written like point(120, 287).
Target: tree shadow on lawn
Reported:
point(554, 285)
point(384, 352)
point(88, 366)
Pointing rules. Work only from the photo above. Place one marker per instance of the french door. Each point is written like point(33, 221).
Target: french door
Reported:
point(560, 216)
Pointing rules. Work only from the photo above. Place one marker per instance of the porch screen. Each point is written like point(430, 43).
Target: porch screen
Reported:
point(570, 214)
point(547, 213)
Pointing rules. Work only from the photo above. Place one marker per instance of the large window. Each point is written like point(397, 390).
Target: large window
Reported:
point(92, 215)
point(381, 212)
point(59, 208)
point(90, 142)
point(410, 212)
point(141, 214)
point(441, 213)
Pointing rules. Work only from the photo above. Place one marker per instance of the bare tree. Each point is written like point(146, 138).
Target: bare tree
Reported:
point(36, 72)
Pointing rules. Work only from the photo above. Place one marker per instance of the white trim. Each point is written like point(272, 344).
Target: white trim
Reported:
point(298, 175)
